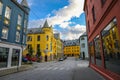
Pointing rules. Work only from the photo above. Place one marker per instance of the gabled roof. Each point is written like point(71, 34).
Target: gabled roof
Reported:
point(45, 24)
point(24, 3)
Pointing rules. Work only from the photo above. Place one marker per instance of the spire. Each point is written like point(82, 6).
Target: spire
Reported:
point(46, 24)
point(24, 3)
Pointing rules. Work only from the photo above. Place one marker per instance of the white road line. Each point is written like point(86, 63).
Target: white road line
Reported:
point(49, 68)
point(55, 68)
point(61, 68)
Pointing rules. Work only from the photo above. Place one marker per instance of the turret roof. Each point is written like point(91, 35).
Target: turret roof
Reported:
point(45, 24)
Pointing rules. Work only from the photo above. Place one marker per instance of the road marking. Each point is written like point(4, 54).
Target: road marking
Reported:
point(55, 68)
point(61, 68)
point(49, 68)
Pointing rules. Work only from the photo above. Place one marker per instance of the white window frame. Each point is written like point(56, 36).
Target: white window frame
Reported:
point(1, 7)
point(19, 20)
point(17, 36)
point(7, 12)
point(5, 35)
point(23, 39)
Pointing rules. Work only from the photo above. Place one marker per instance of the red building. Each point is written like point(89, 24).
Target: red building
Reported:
point(103, 28)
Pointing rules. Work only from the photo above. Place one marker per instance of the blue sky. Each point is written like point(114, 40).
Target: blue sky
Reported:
point(66, 16)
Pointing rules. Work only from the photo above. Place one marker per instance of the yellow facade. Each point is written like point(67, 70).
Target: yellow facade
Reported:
point(59, 48)
point(59, 45)
point(111, 41)
point(72, 51)
point(46, 43)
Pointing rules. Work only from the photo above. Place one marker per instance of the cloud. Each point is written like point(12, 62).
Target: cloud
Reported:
point(62, 18)
point(30, 2)
point(73, 32)
point(74, 9)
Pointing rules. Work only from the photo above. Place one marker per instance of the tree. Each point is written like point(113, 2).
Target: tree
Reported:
point(30, 52)
point(39, 54)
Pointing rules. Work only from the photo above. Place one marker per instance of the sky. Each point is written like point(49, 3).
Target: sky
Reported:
point(66, 16)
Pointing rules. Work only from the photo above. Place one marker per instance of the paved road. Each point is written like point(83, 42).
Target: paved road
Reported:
point(69, 69)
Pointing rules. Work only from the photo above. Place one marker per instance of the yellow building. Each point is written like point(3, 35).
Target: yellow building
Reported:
point(59, 45)
point(43, 39)
point(111, 41)
point(72, 48)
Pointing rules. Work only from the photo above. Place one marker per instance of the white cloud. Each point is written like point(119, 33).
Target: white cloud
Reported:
point(30, 2)
point(74, 9)
point(73, 32)
point(62, 18)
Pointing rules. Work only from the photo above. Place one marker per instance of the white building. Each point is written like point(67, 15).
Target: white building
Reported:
point(84, 46)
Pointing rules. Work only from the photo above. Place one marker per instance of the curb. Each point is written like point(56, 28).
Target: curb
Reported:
point(14, 70)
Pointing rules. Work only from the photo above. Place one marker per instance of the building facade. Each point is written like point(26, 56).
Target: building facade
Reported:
point(84, 46)
point(59, 44)
point(43, 39)
point(13, 25)
point(72, 48)
point(103, 28)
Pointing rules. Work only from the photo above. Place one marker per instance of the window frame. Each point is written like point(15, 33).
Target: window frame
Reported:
point(5, 36)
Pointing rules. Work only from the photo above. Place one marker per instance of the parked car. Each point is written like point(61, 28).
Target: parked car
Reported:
point(61, 59)
point(34, 59)
point(65, 57)
point(24, 59)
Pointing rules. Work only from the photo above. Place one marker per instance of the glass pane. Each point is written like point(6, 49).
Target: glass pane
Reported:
point(91, 51)
point(4, 33)
point(97, 51)
point(7, 12)
point(3, 57)
point(15, 57)
point(111, 46)
point(1, 6)
point(19, 20)
point(17, 36)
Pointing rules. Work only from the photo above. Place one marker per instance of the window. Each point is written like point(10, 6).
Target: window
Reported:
point(47, 37)
point(38, 38)
point(51, 46)
point(88, 26)
point(111, 46)
point(25, 25)
point(4, 33)
point(17, 36)
point(38, 46)
point(1, 7)
point(7, 15)
point(83, 45)
point(19, 22)
point(46, 46)
point(29, 46)
point(97, 50)
point(91, 51)
point(103, 1)
point(29, 38)
point(15, 57)
point(93, 14)
point(23, 39)
point(3, 57)
point(82, 38)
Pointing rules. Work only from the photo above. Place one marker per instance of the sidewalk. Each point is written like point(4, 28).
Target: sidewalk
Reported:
point(83, 72)
point(14, 70)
